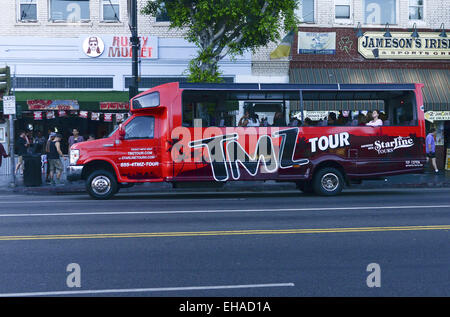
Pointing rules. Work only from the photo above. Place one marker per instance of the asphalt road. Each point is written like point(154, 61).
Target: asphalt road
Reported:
point(234, 244)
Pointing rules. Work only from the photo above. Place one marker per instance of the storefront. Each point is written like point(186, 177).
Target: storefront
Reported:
point(83, 81)
point(62, 115)
point(339, 55)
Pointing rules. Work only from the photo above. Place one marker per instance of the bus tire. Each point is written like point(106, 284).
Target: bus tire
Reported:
point(328, 181)
point(101, 184)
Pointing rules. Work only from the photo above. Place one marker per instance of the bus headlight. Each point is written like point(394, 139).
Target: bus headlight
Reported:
point(74, 156)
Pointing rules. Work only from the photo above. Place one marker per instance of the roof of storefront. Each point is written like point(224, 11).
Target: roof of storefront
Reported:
point(436, 91)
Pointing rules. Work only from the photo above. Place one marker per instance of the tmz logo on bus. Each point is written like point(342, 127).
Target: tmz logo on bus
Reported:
point(227, 151)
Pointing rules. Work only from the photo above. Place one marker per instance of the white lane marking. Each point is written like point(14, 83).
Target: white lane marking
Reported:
point(139, 290)
point(118, 213)
point(114, 201)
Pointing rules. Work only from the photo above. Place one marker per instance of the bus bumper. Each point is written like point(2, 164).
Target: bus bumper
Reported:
point(74, 172)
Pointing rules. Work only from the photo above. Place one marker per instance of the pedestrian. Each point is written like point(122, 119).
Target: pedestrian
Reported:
point(75, 138)
point(91, 137)
point(430, 145)
point(3, 153)
point(29, 137)
point(22, 149)
point(38, 143)
point(54, 159)
point(51, 137)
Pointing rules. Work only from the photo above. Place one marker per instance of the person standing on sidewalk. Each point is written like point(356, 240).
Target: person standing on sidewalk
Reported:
point(3, 153)
point(75, 138)
point(22, 149)
point(51, 138)
point(54, 159)
point(431, 148)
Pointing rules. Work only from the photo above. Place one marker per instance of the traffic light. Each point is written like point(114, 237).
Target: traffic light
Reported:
point(5, 81)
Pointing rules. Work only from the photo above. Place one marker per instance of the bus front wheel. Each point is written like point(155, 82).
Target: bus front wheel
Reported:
point(328, 181)
point(101, 184)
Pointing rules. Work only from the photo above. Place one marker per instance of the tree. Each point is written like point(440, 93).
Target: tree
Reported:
point(225, 27)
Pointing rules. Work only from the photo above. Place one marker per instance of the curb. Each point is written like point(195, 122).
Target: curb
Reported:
point(228, 188)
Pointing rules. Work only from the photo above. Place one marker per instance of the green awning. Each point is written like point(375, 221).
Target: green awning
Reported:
point(436, 91)
point(88, 100)
point(81, 96)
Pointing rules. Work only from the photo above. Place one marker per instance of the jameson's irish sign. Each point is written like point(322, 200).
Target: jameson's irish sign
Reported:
point(429, 45)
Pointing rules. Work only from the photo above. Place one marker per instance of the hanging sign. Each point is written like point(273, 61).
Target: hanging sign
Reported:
point(316, 43)
point(108, 117)
point(50, 115)
point(95, 116)
point(37, 115)
point(114, 106)
point(9, 105)
point(41, 104)
point(437, 116)
point(120, 117)
point(429, 45)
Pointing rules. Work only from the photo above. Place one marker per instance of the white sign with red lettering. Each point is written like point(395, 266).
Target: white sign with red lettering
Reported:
point(117, 46)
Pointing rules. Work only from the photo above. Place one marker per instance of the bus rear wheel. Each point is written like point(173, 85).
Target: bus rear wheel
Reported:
point(101, 184)
point(328, 181)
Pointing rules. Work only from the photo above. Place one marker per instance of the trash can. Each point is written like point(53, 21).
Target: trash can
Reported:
point(32, 170)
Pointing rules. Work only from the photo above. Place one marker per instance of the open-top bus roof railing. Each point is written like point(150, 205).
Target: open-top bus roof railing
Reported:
point(293, 87)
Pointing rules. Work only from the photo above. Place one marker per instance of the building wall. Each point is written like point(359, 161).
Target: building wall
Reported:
point(46, 48)
point(436, 12)
point(11, 27)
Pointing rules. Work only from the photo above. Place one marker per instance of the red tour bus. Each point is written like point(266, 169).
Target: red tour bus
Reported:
point(322, 137)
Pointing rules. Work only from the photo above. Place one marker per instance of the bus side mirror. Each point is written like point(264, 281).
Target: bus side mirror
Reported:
point(121, 132)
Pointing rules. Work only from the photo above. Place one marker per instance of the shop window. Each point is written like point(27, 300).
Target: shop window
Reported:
point(416, 11)
point(27, 11)
point(343, 11)
point(69, 10)
point(305, 11)
point(162, 15)
point(379, 12)
point(140, 128)
point(65, 82)
point(110, 11)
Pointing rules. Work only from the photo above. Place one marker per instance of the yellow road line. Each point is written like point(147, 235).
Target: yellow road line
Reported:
point(221, 233)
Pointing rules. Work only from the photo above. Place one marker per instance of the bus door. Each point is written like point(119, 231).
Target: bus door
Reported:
point(137, 154)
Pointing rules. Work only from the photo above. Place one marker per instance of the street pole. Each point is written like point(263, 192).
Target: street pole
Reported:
point(12, 167)
point(135, 44)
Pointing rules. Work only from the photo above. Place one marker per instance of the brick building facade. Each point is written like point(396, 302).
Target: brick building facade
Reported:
point(374, 41)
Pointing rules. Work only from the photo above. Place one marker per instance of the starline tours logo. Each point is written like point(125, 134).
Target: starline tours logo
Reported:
point(93, 46)
point(388, 147)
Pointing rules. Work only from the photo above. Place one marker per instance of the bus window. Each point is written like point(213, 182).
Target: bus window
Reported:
point(354, 108)
point(402, 109)
point(236, 108)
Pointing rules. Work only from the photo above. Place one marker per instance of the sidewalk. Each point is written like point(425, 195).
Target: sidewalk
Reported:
point(427, 180)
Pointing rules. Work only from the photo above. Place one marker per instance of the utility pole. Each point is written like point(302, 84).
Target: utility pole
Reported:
point(135, 47)
point(9, 108)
